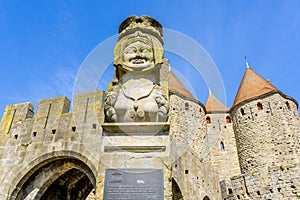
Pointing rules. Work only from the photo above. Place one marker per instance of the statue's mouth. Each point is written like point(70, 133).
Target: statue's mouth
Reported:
point(138, 60)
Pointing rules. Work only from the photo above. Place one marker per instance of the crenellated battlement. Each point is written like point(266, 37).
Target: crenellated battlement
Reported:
point(15, 113)
point(210, 142)
point(283, 183)
point(52, 116)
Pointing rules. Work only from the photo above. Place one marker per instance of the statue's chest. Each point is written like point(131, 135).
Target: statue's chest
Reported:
point(137, 105)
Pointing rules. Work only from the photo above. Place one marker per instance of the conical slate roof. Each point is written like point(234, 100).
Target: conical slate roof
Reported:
point(252, 85)
point(214, 105)
point(177, 87)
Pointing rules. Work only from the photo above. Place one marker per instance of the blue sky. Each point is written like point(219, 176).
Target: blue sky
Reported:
point(44, 43)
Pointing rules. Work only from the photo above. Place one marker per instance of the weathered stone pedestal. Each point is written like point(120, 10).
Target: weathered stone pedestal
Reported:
point(136, 146)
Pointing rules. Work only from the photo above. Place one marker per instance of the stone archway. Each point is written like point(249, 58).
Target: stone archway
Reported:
point(73, 184)
point(62, 177)
point(177, 195)
point(206, 198)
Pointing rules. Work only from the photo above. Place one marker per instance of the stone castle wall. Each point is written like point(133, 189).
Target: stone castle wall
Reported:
point(54, 134)
point(79, 139)
point(279, 183)
point(191, 168)
point(221, 146)
point(189, 150)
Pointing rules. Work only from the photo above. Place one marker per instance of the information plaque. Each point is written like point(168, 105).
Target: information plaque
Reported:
point(134, 184)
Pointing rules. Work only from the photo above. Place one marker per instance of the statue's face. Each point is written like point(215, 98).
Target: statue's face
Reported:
point(138, 56)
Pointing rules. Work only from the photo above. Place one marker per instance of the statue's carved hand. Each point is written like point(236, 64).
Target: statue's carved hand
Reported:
point(162, 102)
point(110, 112)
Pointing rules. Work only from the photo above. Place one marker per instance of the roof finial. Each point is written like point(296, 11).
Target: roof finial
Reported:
point(247, 64)
point(209, 91)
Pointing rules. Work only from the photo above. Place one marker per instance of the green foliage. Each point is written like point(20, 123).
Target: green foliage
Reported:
point(26, 144)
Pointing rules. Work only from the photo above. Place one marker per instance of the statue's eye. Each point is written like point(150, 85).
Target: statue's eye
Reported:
point(130, 51)
point(145, 50)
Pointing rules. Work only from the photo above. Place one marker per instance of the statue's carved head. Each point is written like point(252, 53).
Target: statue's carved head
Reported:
point(140, 45)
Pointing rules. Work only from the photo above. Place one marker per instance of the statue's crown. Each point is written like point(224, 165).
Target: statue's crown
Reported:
point(144, 24)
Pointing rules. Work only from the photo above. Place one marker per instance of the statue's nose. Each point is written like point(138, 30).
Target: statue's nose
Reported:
point(139, 54)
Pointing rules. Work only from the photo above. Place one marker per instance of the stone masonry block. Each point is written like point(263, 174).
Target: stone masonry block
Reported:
point(49, 112)
point(15, 113)
point(88, 108)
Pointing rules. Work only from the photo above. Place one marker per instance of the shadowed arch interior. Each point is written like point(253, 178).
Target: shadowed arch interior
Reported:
point(61, 178)
point(177, 195)
point(206, 198)
point(73, 184)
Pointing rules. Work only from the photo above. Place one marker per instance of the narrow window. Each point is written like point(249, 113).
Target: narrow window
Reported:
point(242, 111)
point(259, 106)
point(186, 171)
point(208, 121)
point(53, 131)
point(222, 146)
point(229, 191)
point(288, 105)
point(228, 120)
point(186, 106)
point(74, 128)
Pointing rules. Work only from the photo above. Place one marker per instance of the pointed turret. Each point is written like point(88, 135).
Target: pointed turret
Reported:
point(214, 105)
point(263, 118)
point(177, 87)
point(252, 85)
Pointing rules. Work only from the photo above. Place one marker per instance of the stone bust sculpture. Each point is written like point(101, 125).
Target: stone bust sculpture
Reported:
point(136, 94)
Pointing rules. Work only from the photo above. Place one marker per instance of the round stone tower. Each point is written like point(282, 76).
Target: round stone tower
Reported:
point(266, 126)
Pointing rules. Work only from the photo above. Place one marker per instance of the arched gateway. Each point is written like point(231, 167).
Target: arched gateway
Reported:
point(56, 177)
